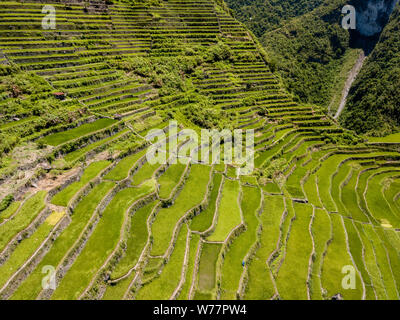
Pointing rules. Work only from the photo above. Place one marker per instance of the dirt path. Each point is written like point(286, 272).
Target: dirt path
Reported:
point(352, 76)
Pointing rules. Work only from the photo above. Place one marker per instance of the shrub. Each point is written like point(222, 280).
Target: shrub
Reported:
point(218, 52)
point(5, 203)
point(246, 57)
point(275, 168)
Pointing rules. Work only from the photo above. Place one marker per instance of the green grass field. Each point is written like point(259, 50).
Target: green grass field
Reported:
point(263, 288)
point(207, 266)
point(229, 215)
point(293, 273)
point(193, 249)
point(163, 287)
point(321, 234)
point(31, 287)
point(167, 218)
point(376, 203)
point(356, 249)
point(392, 138)
point(65, 136)
point(122, 169)
point(7, 213)
point(108, 233)
point(232, 268)
point(145, 172)
point(136, 241)
point(26, 214)
point(203, 221)
point(384, 264)
point(118, 290)
point(169, 180)
point(337, 257)
point(63, 197)
point(79, 153)
point(27, 247)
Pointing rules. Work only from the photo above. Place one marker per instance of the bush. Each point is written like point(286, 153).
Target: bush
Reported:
point(5, 203)
point(275, 168)
point(218, 52)
point(246, 57)
point(167, 73)
point(166, 203)
point(201, 111)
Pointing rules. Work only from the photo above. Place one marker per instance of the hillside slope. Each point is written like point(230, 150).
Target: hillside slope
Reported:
point(315, 56)
point(261, 16)
point(81, 200)
point(310, 50)
point(374, 102)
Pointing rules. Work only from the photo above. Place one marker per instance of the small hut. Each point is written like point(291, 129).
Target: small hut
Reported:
point(59, 95)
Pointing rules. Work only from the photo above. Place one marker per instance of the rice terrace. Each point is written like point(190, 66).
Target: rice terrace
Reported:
point(90, 88)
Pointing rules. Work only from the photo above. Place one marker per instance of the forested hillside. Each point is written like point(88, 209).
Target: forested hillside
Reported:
point(309, 50)
point(315, 55)
point(265, 15)
point(374, 102)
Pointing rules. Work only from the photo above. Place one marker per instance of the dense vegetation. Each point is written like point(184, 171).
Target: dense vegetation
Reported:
point(265, 15)
point(374, 101)
point(314, 54)
point(308, 49)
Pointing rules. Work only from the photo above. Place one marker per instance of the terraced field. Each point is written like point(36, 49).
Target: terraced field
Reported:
point(80, 198)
